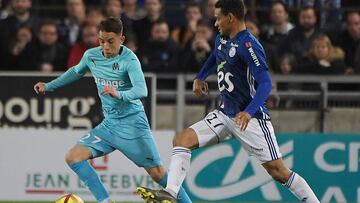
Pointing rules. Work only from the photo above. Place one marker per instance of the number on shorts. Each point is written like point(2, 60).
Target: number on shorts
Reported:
point(211, 119)
point(96, 138)
point(84, 138)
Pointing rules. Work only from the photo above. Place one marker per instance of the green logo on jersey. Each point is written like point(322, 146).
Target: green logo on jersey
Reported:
point(221, 65)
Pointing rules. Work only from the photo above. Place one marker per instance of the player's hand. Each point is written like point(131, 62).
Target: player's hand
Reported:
point(110, 90)
point(39, 88)
point(242, 120)
point(200, 88)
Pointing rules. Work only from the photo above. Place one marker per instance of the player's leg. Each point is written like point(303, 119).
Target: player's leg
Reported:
point(211, 130)
point(280, 172)
point(142, 149)
point(259, 140)
point(153, 166)
point(291, 180)
point(158, 175)
point(89, 146)
point(144, 153)
point(206, 132)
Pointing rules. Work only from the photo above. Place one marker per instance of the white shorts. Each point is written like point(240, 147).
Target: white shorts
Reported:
point(258, 139)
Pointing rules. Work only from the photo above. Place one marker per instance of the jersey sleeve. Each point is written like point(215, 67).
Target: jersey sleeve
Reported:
point(209, 66)
point(254, 56)
point(139, 89)
point(81, 68)
point(72, 74)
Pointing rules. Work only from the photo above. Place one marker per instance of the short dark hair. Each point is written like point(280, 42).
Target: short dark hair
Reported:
point(281, 2)
point(204, 22)
point(236, 7)
point(307, 7)
point(48, 22)
point(112, 24)
point(108, 1)
point(192, 4)
point(159, 22)
point(351, 12)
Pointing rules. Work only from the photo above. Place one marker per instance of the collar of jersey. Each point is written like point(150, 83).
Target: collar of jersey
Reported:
point(238, 35)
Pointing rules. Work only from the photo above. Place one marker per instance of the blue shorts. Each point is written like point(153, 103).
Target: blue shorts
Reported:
point(130, 135)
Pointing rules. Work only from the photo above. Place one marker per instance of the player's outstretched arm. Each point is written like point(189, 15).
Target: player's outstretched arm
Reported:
point(72, 74)
point(39, 88)
point(68, 77)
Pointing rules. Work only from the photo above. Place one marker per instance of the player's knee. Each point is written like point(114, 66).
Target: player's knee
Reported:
point(187, 139)
point(76, 154)
point(70, 158)
point(178, 140)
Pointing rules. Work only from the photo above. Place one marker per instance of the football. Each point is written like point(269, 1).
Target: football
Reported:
point(69, 198)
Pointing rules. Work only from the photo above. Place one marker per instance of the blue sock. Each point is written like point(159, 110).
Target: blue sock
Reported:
point(90, 178)
point(182, 196)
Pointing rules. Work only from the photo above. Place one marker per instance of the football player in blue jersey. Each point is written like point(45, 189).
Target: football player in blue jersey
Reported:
point(244, 83)
point(120, 84)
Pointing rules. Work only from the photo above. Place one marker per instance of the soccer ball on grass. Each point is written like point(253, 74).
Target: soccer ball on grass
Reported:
point(69, 198)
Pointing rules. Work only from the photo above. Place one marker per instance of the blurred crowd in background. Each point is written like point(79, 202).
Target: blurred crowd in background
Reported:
point(299, 36)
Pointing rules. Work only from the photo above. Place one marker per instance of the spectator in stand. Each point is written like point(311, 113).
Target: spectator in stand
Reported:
point(20, 17)
point(20, 54)
point(349, 41)
point(300, 38)
point(114, 8)
point(280, 26)
point(330, 14)
point(69, 29)
point(143, 26)
point(323, 58)
point(209, 12)
point(270, 50)
point(131, 43)
point(287, 64)
point(184, 33)
point(94, 16)
point(132, 11)
point(51, 54)
point(89, 39)
point(159, 55)
point(197, 49)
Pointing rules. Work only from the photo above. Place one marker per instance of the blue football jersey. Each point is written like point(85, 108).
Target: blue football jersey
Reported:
point(238, 61)
point(122, 72)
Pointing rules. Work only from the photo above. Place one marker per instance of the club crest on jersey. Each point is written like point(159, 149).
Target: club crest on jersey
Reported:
point(232, 51)
point(223, 41)
point(115, 66)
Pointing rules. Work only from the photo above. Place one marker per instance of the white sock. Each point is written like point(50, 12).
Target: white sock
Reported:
point(179, 166)
point(299, 187)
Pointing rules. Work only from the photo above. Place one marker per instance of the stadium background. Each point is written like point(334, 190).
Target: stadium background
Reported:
point(317, 125)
